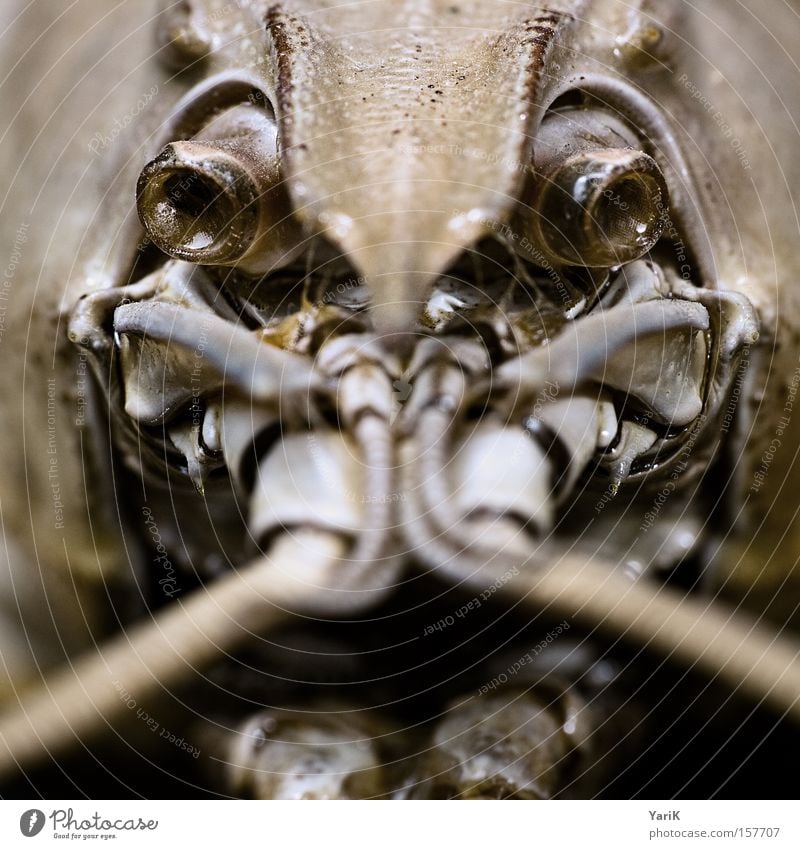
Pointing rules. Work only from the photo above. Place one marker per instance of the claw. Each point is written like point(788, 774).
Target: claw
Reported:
point(283, 754)
point(508, 745)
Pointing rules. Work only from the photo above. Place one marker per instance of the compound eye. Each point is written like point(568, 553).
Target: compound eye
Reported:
point(218, 198)
point(198, 203)
point(598, 206)
point(601, 209)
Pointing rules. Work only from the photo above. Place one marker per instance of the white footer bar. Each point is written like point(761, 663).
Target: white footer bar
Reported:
point(404, 825)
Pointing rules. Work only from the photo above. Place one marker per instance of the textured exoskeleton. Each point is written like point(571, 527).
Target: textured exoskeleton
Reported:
point(395, 391)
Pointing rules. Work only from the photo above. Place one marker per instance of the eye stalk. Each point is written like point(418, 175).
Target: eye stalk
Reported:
point(217, 199)
point(595, 203)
